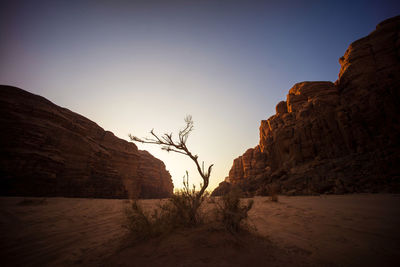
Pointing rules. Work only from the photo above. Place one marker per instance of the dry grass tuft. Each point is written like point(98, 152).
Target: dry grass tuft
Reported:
point(182, 210)
point(231, 213)
point(143, 225)
point(178, 212)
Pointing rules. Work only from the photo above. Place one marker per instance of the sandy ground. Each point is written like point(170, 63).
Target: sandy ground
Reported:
point(61, 232)
point(349, 230)
point(341, 230)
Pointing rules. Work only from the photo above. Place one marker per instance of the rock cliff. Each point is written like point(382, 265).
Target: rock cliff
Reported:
point(47, 150)
point(340, 137)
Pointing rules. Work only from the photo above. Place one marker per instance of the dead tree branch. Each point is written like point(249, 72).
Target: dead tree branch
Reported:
point(167, 143)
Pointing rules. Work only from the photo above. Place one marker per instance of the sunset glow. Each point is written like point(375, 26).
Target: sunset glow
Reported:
point(131, 66)
point(201, 133)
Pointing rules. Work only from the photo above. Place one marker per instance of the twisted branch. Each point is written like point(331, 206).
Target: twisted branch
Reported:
point(168, 144)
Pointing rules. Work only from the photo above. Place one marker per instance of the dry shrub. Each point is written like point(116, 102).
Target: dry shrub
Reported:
point(186, 205)
point(183, 209)
point(143, 225)
point(186, 213)
point(180, 211)
point(231, 213)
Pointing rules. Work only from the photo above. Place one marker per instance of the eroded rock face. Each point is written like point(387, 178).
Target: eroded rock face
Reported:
point(248, 165)
point(47, 150)
point(337, 137)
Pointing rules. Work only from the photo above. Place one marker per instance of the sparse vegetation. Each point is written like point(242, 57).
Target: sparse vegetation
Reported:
point(177, 212)
point(185, 203)
point(140, 224)
point(143, 225)
point(187, 199)
point(231, 213)
point(183, 209)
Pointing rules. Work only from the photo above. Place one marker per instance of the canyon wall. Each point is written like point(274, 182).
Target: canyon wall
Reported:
point(47, 150)
point(340, 137)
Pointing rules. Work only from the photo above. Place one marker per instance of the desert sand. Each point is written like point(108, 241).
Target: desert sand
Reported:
point(332, 230)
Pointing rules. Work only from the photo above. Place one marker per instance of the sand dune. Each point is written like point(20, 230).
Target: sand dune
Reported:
point(349, 230)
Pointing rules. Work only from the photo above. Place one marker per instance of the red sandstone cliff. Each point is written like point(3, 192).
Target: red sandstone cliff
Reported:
point(337, 137)
point(46, 150)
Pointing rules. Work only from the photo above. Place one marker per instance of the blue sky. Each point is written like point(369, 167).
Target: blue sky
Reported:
point(131, 66)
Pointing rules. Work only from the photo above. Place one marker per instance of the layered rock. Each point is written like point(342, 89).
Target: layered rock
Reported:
point(47, 150)
point(337, 137)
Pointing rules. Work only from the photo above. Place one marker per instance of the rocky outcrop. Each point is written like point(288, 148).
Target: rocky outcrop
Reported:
point(340, 137)
point(248, 165)
point(46, 150)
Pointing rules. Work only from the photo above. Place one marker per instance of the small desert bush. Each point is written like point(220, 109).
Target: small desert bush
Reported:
point(186, 204)
point(180, 211)
point(144, 225)
point(231, 213)
point(185, 210)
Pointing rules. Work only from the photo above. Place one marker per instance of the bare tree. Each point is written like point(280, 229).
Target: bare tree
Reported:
point(179, 146)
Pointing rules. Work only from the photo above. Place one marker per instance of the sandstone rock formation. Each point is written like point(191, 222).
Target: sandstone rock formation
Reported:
point(46, 150)
point(340, 137)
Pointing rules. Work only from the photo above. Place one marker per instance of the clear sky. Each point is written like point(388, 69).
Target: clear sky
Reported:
point(131, 66)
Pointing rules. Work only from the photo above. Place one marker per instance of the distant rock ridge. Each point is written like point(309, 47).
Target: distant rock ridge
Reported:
point(341, 137)
point(47, 150)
